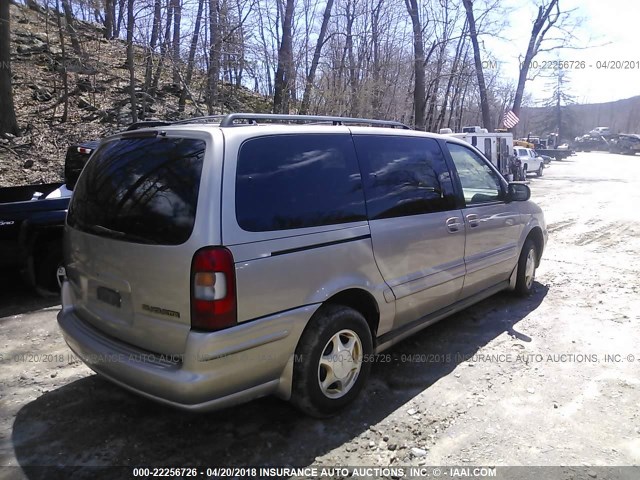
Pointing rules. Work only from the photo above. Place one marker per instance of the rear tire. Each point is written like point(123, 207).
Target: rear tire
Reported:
point(524, 172)
point(49, 269)
point(332, 361)
point(527, 264)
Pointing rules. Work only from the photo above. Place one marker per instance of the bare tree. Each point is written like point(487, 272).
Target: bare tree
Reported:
point(8, 122)
point(148, 72)
point(164, 48)
point(63, 71)
point(284, 73)
point(191, 59)
point(177, 20)
point(455, 72)
point(265, 51)
point(109, 18)
point(118, 20)
point(549, 16)
point(73, 35)
point(376, 47)
point(213, 74)
point(350, 11)
point(419, 93)
point(311, 75)
point(131, 61)
point(473, 33)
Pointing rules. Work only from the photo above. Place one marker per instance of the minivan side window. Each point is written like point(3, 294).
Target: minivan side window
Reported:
point(297, 181)
point(403, 176)
point(480, 184)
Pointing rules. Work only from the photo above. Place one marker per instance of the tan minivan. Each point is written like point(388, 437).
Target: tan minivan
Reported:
point(214, 261)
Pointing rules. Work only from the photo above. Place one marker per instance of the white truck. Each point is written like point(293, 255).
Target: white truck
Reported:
point(530, 161)
point(496, 146)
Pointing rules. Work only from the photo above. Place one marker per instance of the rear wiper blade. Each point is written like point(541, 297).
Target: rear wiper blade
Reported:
point(121, 235)
point(108, 231)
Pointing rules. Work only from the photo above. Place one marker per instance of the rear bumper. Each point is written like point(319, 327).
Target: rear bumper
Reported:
point(218, 369)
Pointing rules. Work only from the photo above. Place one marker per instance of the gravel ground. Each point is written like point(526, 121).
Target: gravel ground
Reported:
point(548, 380)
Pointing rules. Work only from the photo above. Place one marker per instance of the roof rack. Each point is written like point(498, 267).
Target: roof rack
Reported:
point(231, 119)
point(205, 119)
point(234, 119)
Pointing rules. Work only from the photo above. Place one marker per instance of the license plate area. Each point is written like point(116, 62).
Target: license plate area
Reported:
point(109, 296)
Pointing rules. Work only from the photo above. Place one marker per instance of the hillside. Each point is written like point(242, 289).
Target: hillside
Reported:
point(98, 82)
point(622, 116)
point(99, 104)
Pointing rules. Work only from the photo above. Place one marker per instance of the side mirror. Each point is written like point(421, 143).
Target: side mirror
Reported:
point(518, 192)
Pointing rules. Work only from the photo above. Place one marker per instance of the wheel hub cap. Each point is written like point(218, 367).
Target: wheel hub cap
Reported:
point(343, 365)
point(340, 364)
point(530, 269)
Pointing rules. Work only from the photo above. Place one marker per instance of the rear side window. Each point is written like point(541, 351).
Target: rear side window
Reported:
point(297, 181)
point(404, 176)
point(142, 190)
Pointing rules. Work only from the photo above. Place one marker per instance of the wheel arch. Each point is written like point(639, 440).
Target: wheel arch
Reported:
point(361, 301)
point(356, 298)
point(535, 234)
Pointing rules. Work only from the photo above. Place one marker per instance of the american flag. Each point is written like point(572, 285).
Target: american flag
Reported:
point(510, 119)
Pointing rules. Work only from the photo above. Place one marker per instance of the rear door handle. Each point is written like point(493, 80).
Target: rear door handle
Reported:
point(453, 224)
point(472, 218)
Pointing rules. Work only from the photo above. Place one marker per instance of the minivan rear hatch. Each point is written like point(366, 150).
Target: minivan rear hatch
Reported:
point(130, 219)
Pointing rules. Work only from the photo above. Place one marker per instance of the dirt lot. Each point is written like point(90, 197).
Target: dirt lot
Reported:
point(507, 382)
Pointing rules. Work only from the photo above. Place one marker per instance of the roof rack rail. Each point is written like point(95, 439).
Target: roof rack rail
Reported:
point(230, 119)
point(204, 119)
point(147, 124)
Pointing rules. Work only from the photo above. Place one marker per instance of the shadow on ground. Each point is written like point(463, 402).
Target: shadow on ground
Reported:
point(92, 422)
point(17, 297)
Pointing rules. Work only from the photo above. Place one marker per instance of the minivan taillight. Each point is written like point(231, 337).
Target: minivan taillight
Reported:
point(213, 289)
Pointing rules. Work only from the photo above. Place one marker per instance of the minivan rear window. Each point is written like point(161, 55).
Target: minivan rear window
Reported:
point(297, 181)
point(140, 189)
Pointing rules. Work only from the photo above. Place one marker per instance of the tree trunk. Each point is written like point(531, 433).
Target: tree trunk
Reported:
point(484, 99)
point(177, 19)
point(430, 121)
point(265, 52)
point(419, 94)
point(454, 72)
point(73, 35)
point(8, 122)
point(164, 48)
point(241, 61)
point(560, 131)
point(130, 62)
point(65, 80)
point(283, 79)
point(306, 98)
point(377, 90)
point(538, 32)
point(213, 74)
point(192, 55)
point(354, 107)
point(148, 72)
point(118, 23)
point(109, 14)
